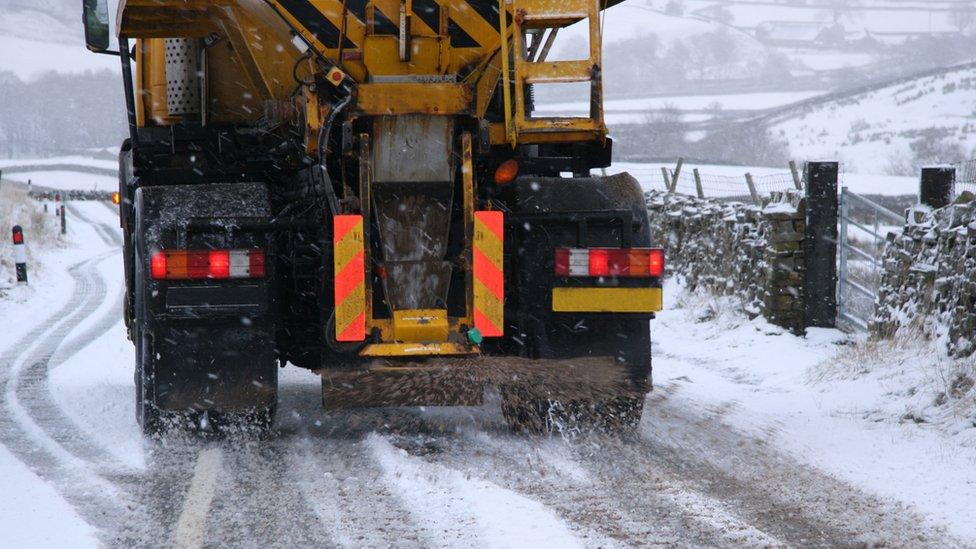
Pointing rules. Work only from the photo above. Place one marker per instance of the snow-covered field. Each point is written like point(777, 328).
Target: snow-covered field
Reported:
point(871, 132)
point(37, 37)
point(106, 159)
point(68, 180)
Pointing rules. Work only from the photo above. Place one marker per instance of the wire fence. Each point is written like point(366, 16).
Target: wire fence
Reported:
point(744, 188)
point(966, 176)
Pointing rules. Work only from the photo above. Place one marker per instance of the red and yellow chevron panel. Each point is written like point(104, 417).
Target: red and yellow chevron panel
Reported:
point(350, 277)
point(489, 273)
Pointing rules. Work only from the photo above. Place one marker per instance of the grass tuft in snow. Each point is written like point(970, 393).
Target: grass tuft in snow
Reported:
point(910, 379)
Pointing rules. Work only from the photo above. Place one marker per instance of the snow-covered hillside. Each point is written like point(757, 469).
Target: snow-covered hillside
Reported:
point(39, 36)
point(874, 131)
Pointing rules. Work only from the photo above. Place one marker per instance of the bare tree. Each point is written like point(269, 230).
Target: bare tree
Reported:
point(675, 7)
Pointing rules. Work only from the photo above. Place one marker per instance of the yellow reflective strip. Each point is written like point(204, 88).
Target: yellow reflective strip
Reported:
point(489, 244)
point(351, 308)
point(349, 246)
point(607, 300)
point(493, 309)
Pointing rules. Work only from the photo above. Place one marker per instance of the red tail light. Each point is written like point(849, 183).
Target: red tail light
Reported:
point(599, 263)
point(158, 266)
point(655, 266)
point(609, 262)
point(562, 262)
point(207, 264)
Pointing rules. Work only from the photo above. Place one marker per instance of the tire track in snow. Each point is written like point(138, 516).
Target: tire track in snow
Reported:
point(259, 501)
point(342, 484)
point(33, 388)
point(459, 510)
point(35, 429)
point(605, 508)
point(768, 489)
point(99, 501)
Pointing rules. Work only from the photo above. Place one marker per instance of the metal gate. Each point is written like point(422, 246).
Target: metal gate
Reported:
point(863, 228)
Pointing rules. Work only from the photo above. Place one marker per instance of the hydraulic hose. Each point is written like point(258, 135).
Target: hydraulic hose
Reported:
point(324, 132)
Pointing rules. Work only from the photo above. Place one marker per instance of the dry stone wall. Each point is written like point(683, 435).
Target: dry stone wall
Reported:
point(731, 248)
point(929, 279)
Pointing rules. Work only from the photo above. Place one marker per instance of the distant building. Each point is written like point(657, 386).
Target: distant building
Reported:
point(789, 33)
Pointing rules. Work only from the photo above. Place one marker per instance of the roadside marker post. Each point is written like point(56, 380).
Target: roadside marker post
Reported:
point(20, 254)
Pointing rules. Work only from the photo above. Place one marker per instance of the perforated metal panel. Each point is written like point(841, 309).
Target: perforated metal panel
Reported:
point(183, 76)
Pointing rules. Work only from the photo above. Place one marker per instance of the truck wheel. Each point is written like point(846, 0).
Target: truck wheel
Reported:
point(526, 411)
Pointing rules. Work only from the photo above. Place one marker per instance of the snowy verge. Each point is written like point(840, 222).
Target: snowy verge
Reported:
point(33, 514)
point(829, 401)
point(40, 232)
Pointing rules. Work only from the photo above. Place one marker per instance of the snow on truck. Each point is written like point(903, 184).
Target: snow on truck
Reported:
point(361, 188)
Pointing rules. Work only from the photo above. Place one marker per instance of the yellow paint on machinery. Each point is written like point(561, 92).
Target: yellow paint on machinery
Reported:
point(380, 350)
point(421, 325)
point(268, 62)
point(442, 57)
point(607, 300)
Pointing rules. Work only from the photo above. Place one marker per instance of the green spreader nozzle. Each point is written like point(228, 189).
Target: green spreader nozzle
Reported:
point(475, 337)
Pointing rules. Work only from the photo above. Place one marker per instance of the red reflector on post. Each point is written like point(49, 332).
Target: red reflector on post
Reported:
point(18, 238)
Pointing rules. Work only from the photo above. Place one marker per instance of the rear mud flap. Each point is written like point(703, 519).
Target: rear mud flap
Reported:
point(226, 369)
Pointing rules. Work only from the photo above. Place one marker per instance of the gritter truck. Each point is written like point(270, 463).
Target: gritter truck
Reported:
point(367, 189)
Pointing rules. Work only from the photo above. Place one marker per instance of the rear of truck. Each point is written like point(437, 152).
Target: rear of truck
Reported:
point(362, 188)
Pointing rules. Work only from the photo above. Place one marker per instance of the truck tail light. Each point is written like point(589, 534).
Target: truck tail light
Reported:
point(207, 264)
point(655, 263)
point(609, 262)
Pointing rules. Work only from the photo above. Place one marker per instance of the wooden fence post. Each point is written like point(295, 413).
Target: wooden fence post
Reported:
point(667, 179)
point(752, 190)
point(677, 175)
point(698, 183)
point(797, 182)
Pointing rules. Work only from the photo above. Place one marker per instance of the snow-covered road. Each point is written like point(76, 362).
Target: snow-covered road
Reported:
point(83, 475)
